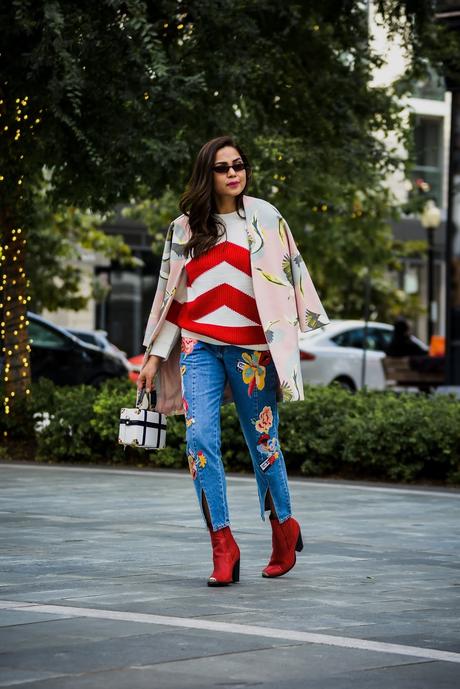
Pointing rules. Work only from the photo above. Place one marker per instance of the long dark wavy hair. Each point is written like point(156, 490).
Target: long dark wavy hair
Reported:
point(198, 200)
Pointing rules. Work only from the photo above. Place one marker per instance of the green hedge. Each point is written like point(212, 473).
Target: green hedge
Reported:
point(375, 435)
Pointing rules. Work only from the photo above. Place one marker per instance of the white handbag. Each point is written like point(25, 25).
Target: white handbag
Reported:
point(141, 426)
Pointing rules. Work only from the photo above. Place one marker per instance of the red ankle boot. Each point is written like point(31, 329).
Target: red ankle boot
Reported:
point(286, 539)
point(226, 558)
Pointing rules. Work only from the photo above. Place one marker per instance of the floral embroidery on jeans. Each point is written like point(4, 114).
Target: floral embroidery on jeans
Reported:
point(265, 420)
point(192, 464)
point(253, 369)
point(188, 419)
point(187, 345)
point(269, 449)
point(201, 459)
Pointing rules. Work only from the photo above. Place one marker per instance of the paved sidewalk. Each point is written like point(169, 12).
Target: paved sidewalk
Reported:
point(102, 585)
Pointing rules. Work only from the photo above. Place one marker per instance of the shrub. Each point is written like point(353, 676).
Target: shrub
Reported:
point(68, 433)
point(405, 437)
point(378, 435)
point(311, 431)
point(105, 416)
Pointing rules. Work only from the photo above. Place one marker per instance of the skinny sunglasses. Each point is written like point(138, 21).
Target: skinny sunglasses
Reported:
point(223, 168)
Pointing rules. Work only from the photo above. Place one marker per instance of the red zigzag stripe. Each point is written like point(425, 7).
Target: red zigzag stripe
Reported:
point(222, 295)
point(235, 255)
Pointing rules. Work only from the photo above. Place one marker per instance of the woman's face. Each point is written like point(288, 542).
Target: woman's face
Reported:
point(230, 183)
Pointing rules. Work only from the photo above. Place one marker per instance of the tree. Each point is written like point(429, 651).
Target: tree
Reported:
point(114, 98)
point(88, 93)
point(318, 130)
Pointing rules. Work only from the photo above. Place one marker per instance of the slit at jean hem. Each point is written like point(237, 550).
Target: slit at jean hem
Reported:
point(205, 370)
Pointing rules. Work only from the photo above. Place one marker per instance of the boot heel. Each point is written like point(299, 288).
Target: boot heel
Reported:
point(299, 544)
point(236, 572)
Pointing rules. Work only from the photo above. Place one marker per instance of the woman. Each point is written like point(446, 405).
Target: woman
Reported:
point(232, 293)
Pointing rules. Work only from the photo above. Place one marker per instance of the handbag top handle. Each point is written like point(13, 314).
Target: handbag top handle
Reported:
point(146, 400)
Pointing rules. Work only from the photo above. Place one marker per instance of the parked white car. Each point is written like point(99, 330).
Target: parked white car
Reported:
point(336, 351)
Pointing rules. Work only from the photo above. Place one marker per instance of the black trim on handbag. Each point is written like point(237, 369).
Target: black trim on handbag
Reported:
point(144, 417)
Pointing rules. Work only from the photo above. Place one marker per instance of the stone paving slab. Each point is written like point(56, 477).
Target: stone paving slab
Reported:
point(379, 565)
point(282, 666)
point(160, 646)
point(9, 618)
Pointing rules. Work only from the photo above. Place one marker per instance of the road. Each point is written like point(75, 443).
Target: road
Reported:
point(103, 584)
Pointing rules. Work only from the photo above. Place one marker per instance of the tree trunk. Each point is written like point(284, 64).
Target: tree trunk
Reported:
point(16, 349)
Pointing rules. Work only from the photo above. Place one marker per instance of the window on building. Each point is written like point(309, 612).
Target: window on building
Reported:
point(432, 86)
point(428, 141)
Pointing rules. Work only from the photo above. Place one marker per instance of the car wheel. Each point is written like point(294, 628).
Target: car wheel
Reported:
point(345, 383)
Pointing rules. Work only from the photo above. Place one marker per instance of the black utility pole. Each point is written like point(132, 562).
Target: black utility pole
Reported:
point(453, 250)
point(430, 294)
point(431, 219)
point(367, 299)
point(448, 13)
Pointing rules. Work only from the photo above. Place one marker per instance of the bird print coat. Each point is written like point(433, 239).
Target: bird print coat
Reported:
point(285, 296)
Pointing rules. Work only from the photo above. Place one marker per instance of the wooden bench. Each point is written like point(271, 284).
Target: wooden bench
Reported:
point(414, 371)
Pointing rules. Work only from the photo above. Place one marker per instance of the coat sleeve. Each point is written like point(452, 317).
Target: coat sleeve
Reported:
point(310, 311)
point(169, 333)
point(165, 340)
point(160, 298)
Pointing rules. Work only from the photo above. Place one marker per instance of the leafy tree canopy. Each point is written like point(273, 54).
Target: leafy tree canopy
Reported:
point(113, 99)
point(120, 93)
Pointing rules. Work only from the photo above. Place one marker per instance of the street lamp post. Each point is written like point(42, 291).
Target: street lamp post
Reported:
point(431, 219)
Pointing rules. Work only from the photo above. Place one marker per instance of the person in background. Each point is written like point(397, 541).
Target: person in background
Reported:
point(402, 344)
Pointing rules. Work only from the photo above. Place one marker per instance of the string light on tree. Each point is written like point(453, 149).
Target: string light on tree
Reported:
point(17, 124)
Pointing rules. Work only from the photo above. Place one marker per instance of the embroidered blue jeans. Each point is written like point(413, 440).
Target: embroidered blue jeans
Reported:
point(205, 370)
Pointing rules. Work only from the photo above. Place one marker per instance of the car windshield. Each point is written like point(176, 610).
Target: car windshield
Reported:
point(372, 338)
point(92, 338)
point(43, 336)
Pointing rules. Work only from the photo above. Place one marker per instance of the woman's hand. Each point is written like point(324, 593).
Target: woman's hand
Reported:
point(148, 372)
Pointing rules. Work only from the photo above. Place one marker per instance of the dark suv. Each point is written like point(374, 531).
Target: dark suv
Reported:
point(66, 360)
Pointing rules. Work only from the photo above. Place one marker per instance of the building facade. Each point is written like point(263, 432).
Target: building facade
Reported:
point(427, 111)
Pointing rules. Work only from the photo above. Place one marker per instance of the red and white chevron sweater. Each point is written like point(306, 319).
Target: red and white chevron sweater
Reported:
point(218, 305)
